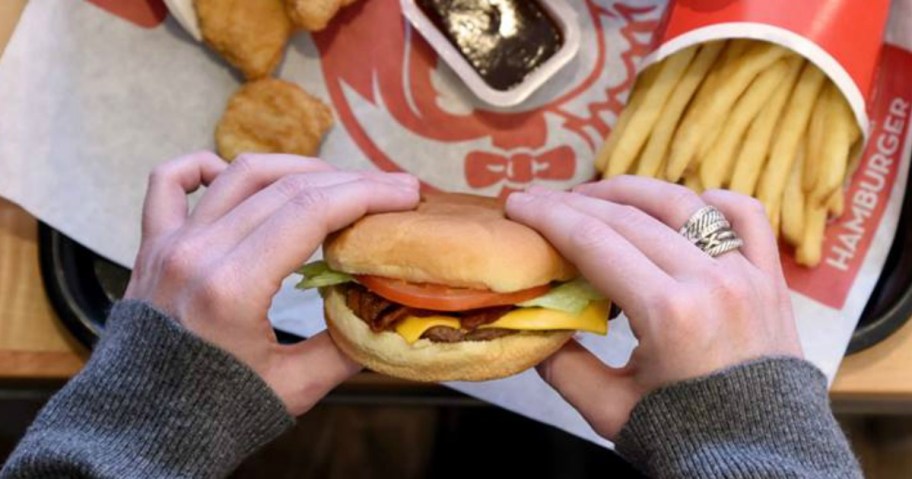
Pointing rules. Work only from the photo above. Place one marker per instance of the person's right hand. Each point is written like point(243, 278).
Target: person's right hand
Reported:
point(693, 314)
point(215, 269)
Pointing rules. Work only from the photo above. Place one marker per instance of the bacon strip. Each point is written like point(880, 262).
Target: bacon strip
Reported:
point(382, 315)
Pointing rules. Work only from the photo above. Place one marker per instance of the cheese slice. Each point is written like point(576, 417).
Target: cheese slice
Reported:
point(412, 327)
point(593, 319)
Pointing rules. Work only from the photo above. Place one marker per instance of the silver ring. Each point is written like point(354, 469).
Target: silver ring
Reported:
point(708, 230)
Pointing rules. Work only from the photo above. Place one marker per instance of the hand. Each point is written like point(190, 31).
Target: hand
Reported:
point(216, 269)
point(693, 314)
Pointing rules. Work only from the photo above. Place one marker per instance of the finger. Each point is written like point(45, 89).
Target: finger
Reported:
point(662, 245)
point(239, 222)
point(613, 265)
point(248, 174)
point(602, 395)
point(289, 236)
point(748, 218)
point(309, 370)
point(165, 206)
point(669, 203)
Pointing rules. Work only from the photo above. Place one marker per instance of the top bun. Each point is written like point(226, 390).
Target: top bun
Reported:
point(451, 239)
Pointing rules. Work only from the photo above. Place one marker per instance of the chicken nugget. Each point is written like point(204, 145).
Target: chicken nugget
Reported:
point(314, 15)
point(272, 116)
point(249, 34)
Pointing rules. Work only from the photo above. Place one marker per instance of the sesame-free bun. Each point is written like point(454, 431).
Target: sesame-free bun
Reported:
point(388, 353)
point(450, 239)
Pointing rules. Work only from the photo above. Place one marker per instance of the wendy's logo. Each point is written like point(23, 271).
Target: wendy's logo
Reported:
point(406, 110)
point(484, 169)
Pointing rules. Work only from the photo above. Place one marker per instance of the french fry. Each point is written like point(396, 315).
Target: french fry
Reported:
point(643, 84)
point(692, 181)
point(736, 48)
point(791, 128)
point(810, 250)
point(748, 115)
point(709, 105)
point(716, 166)
point(633, 166)
point(644, 118)
point(836, 203)
point(734, 51)
point(776, 221)
point(653, 155)
point(758, 139)
point(842, 132)
point(701, 99)
point(854, 158)
point(817, 138)
point(793, 201)
point(706, 144)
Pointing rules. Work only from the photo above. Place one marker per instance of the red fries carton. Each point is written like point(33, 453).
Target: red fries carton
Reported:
point(842, 37)
point(845, 39)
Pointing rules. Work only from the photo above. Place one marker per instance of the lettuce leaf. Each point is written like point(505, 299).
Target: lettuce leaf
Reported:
point(318, 275)
point(571, 297)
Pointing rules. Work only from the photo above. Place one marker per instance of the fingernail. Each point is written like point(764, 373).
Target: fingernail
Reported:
point(403, 179)
point(395, 179)
point(582, 188)
point(538, 190)
point(518, 198)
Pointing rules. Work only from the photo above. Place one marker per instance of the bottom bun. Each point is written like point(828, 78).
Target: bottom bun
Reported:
point(389, 353)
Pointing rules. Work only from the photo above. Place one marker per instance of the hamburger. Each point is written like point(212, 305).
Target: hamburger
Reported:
point(451, 291)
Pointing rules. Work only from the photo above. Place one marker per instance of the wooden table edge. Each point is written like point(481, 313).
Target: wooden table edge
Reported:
point(40, 364)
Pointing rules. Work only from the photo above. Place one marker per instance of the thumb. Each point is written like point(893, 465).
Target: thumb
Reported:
point(309, 370)
point(603, 395)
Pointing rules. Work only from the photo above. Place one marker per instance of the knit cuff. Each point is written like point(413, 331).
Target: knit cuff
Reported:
point(154, 400)
point(205, 392)
point(761, 418)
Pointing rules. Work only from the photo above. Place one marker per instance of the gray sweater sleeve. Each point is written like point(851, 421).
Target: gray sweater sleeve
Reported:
point(156, 401)
point(153, 401)
point(768, 418)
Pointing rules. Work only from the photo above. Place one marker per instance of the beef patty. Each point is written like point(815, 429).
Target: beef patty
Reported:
point(382, 315)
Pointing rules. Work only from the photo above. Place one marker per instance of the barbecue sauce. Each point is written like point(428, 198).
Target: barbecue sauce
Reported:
point(503, 40)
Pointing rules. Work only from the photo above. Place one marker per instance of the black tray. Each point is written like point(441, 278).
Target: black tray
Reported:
point(82, 287)
point(890, 304)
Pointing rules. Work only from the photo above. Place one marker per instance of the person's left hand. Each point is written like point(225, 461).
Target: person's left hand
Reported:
point(692, 313)
point(217, 269)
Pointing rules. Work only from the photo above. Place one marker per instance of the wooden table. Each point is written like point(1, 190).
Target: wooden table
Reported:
point(34, 345)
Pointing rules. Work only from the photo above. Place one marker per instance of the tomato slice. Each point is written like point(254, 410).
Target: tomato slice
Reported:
point(443, 298)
